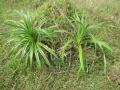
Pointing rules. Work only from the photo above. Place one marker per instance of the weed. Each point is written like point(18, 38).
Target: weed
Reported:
point(82, 35)
point(28, 41)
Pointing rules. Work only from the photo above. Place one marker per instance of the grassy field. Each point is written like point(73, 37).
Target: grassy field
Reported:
point(15, 76)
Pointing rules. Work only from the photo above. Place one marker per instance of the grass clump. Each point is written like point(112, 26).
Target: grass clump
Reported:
point(33, 41)
point(82, 36)
point(29, 42)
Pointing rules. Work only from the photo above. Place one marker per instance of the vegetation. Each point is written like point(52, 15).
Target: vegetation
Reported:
point(28, 41)
point(59, 45)
point(83, 35)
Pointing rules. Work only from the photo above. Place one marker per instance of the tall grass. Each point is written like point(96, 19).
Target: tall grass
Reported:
point(36, 43)
point(28, 42)
point(81, 36)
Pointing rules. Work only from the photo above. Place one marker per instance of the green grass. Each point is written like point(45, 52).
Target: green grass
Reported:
point(14, 75)
point(28, 41)
point(81, 36)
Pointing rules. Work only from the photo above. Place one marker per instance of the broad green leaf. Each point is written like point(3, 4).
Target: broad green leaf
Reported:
point(43, 55)
point(82, 67)
point(31, 55)
point(37, 58)
point(48, 49)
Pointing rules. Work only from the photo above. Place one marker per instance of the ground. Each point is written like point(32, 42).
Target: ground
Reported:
point(97, 10)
